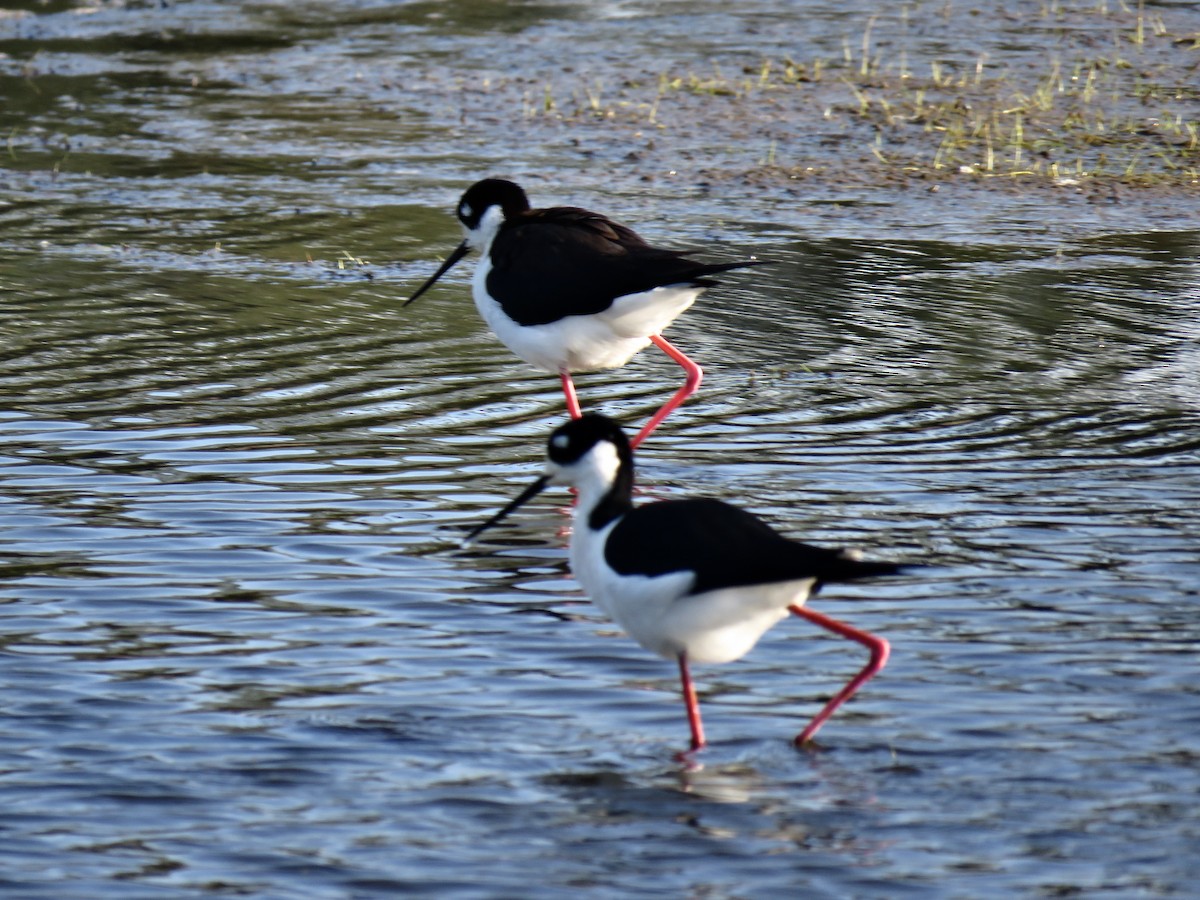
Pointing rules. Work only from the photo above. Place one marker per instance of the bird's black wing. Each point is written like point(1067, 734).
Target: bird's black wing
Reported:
point(724, 546)
point(567, 261)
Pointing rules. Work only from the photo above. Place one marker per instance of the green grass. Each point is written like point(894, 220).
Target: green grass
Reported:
point(1116, 97)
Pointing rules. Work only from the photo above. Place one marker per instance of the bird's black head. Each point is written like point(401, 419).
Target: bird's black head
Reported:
point(570, 442)
point(592, 453)
point(472, 208)
point(483, 195)
point(568, 446)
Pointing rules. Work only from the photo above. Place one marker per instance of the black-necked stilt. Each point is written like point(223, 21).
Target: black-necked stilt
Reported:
point(695, 580)
point(569, 290)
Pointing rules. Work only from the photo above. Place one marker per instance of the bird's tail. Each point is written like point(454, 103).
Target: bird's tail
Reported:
point(702, 271)
point(849, 565)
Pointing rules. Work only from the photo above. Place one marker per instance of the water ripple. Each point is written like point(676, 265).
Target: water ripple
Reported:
point(242, 648)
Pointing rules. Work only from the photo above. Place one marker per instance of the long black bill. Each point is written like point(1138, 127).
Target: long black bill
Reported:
point(459, 252)
point(526, 495)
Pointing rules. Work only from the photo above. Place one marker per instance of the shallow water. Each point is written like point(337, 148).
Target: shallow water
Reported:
point(242, 652)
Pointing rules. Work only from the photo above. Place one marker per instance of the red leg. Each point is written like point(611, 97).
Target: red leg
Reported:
point(879, 648)
point(694, 374)
point(693, 706)
point(568, 387)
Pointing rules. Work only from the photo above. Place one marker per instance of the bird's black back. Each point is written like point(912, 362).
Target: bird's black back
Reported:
point(550, 263)
point(724, 546)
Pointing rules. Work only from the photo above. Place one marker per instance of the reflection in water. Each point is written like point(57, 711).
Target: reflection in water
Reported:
point(241, 649)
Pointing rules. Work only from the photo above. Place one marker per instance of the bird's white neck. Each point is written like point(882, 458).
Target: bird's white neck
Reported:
point(596, 477)
point(481, 236)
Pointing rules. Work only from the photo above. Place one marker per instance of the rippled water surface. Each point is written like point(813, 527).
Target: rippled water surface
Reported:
point(241, 650)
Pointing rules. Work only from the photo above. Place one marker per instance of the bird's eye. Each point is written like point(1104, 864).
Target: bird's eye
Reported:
point(561, 441)
point(465, 211)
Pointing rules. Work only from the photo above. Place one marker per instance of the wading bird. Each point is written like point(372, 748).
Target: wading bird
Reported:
point(568, 290)
point(693, 580)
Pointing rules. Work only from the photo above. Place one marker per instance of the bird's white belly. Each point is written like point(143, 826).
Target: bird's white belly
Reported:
point(605, 340)
point(574, 344)
point(713, 627)
point(721, 626)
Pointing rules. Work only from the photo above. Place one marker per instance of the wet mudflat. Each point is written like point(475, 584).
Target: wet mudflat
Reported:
point(241, 651)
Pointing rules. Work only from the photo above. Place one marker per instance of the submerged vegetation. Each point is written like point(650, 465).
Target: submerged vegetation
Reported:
point(1118, 99)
